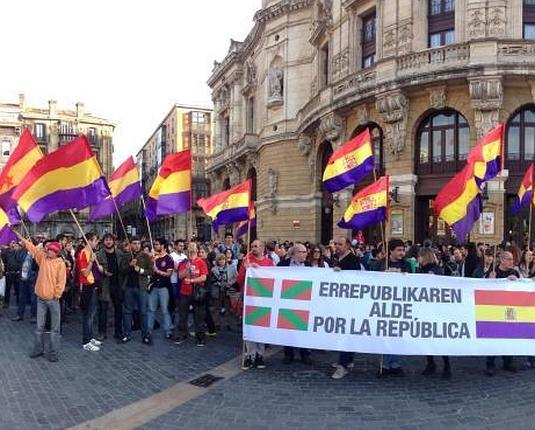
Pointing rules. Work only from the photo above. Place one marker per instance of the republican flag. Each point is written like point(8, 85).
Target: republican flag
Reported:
point(525, 192)
point(23, 158)
point(68, 178)
point(369, 206)
point(349, 163)
point(459, 203)
point(486, 156)
point(171, 191)
point(229, 206)
point(6, 235)
point(124, 186)
point(243, 226)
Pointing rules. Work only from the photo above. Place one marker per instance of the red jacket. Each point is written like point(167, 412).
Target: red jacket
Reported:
point(264, 262)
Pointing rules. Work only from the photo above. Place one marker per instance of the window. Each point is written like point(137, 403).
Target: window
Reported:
point(161, 149)
point(6, 148)
point(520, 141)
point(250, 119)
point(443, 142)
point(226, 131)
point(376, 134)
point(324, 65)
point(368, 40)
point(40, 132)
point(198, 117)
point(441, 22)
point(529, 19)
point(92, 135)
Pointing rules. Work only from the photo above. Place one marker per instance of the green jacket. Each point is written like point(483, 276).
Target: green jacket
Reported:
point(105, 282)
point(144, 261)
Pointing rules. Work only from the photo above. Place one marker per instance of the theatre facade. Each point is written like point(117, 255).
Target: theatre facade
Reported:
point(427, 77)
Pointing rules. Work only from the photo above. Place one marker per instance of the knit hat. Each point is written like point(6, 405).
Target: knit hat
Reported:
point(54, 247)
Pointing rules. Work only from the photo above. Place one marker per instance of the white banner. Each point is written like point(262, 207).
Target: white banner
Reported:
point(389, 313)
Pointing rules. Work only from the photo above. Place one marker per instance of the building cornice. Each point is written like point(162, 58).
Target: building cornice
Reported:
point(283, 7)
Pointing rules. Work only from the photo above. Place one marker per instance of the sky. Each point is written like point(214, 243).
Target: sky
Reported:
point(128, 61)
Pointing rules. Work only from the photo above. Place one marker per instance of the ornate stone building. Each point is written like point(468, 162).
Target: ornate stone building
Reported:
point(182, 128)
point(52, 127)
point(428, 77)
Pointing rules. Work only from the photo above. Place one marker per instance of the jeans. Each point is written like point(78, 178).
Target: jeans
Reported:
point(507, 361)
point(159, 296)
point(117, 301)
point(102, 317)
point(52, 306)
point(11, 281)
point(391, 362)
point(88, 305)
point(289, 352)
point(135, 297)
point(27, 297)
point(345, 358)
point(198, 316)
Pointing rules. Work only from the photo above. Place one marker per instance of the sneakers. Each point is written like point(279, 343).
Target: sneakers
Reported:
point(201, 343)
point(169, 336)
point(180, 339)
point(259, 362)
point(211, 334)
point(125, 339)
point(90, 347)
point(95, 342)
point(340, 372)
point(147, 340)
point(247, 363)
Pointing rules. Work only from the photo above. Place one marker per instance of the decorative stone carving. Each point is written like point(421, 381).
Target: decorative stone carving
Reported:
point(275, 86)
point(405, 39)
point(304, 144)
point(476, 23)
point(363, 116)
point(487, 99)
point(438, 98)
point(273, 185)
point(393, 108)
point(340, 65)
point(314, 85)
point(251, 160)
point(323, 12)
point(250, 74)
point(496, 22)
point(233, 173)
point(331, 127)
point(389, 42)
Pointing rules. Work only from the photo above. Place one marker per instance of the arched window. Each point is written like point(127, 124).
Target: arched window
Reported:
point(520, 141)
point(443, 141)
point(376, 134)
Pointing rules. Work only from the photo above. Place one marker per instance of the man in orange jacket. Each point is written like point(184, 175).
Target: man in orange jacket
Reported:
point(49, 287)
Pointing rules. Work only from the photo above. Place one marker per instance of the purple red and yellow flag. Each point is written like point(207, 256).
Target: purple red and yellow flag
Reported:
point(68, 178)
point(229, 206)
point(349, 163)
point(459, 203)
point(171, 191)
point(505, 314)
point(22, 159)
point(243, 226)
point(124, 186)
point(486, 156)
point(369, 206)
point(6, 235)
point(525, 192)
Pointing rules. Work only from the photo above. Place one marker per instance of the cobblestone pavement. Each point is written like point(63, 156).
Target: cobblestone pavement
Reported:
point(83, 386)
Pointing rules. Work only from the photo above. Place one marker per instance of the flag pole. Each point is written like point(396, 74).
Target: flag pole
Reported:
point(382, 223)
point(81, 231)
point(25, 228)
point(385, 247)
point(122, 224)
point(530, 209)
point(147, 220)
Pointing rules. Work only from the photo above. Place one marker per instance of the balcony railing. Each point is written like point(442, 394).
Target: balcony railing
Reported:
point(450, 55)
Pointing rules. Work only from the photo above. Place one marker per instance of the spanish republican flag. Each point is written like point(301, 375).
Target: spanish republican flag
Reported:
point(243, 226)
point(23, 158)
point(6, 235)
point(459, 202)
point(349, 163)
point(369, 206)
point(229, 206)
point(171, 191)
point(68, 178)
point(486, 156)
point(525, 192)
point(124, 186)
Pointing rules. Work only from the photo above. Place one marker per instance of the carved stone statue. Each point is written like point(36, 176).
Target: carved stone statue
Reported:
point(276, 85)
point(304, 144)
point(273, 182)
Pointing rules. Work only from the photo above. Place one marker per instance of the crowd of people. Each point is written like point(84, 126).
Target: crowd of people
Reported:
point(195, 289)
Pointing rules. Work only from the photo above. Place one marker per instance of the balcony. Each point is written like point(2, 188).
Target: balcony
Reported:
point(434, 59)
point(248, 143)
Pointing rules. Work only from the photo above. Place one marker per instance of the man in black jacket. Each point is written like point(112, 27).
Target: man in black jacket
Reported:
point(297, 258)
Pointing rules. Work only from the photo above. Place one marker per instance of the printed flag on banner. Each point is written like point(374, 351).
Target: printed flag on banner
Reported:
point(296, 290)
point(349, 163)
point(459, 203)
point(293, 319)
point(124, 186)
point(22, 159)
point(171, 190)
point(486, 156)
point(257, 315)
point(505, 314)
point(228, 206)
point(68, 178)
point(260, 287)
point(369, 206)
point(525, 192)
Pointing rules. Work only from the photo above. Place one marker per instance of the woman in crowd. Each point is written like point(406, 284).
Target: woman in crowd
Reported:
point(429, 264)
point(316, 256)
point(526, 266)
point(486, 266)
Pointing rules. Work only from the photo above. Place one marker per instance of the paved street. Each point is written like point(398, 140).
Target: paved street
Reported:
point(84, 386)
